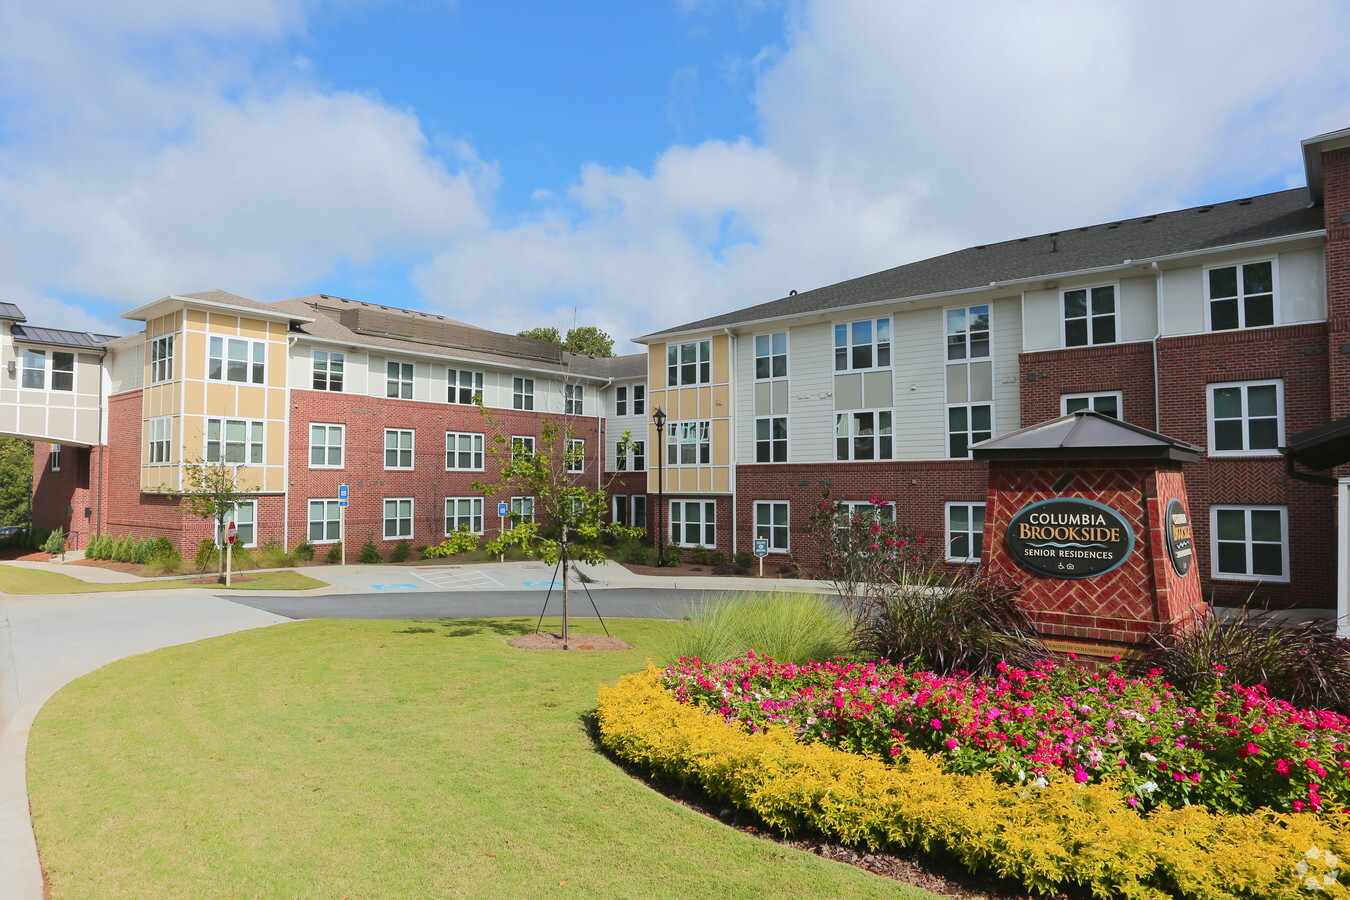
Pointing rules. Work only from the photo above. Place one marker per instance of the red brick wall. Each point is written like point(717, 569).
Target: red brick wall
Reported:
point(61, 497)
point(1336, 205)
point(1127, 368)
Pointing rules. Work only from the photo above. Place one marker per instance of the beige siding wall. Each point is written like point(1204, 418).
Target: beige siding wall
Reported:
point(711, 403)
point(62, 417)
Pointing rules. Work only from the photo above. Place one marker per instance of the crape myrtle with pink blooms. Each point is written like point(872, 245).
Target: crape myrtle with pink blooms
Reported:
point(1235, 749)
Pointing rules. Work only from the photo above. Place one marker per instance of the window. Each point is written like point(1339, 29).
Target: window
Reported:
point(463, 386)
point(848, 513)
point(688, 443)
point(55, 457)
point(522, 447)
point(522, 393)
point(236, 359)
point(618, 509)
point(522, 509)
point(621, 401)
point(968, 333)
point(1090, 316)
point(1249, 542)
point(862, 434)
point(771, 439)
point(464, 450)
point(639, 511)
point(245, 518)
point(35, 369)
point(325, 446)
point(689, 363)
point(161, 440)
point(463, 511)
point(398, 380)
point(965, 532)
point(771, 355)
point(35, 364)
point(1241, 296)
point(1246, 418)
point(398, 519)
point(693, 523)
point(636, 451)
point(639, 395)
point(771, 521)
point(325, 522)
point(234, 441)
point(576, 455)
point(1108, 403)
point(398, 448)
point(968, 424)
point(862, 345)
point(572, 396)
point(328, 370)
point(161, 359)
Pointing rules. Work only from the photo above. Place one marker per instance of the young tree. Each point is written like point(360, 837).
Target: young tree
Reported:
point(211, 491)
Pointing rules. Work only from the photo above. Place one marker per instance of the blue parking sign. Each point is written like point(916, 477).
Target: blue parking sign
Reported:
point(502, 510)
point(342, 495)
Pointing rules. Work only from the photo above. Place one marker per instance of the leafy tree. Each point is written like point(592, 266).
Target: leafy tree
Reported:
point(211, 491)
point(550, 335)
point(16, 466)
point(589, 340)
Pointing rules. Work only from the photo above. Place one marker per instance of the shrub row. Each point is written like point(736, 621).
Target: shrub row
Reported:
point(128, 548)
point(1049, 838)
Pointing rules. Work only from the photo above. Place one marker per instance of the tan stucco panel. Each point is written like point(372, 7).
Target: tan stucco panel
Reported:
point(196, 319)
point(194, 401)
point(721, 442)
point(722, 480)
point(250, 402)
point(251, 478)
point(276, 404)
point(219, 400)
point(275, 480)
point(656, 364)
point(193, 359)
point(721, 356)
point(721, 398)
point(274, 445)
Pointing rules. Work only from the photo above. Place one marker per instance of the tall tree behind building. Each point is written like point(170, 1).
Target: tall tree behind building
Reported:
point(584, 339)
point(16, 465)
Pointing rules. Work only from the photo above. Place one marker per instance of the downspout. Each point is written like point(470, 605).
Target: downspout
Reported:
point(286, 466)
point(1158, 307)
point(731, 450)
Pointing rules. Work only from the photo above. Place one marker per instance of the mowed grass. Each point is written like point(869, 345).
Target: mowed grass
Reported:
point(376, 759)
point(17, 580)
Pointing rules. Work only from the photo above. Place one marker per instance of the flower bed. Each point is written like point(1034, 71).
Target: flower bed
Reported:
point(1237, 751)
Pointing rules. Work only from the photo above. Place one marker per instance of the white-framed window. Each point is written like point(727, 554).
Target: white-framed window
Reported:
point(463, 451)
point(573, 395)
point(771, 355)
point(771, 521)
point(234, 441)
point(634, 455)
point(576, 455)
point(693, 523)
point(639, 394)
point(245, 518)
point(398, 518)
point(325, 521)
point(329, 370)
point(325, 445)
point(1246, 418)
point(42, 368)
point(638, 510)
point(522, 446)
point(54, 458)
point(846, 512)
point(621, 400)
point(689, 443)
point(522, 393)
point(161, 359)
point(1090, 316)
point(522, 509)
point(689, 363)
point(862, 345)
point(398, 379)
point(463, 386)
point(771, 439)
point(863, 434)
point(619, 509)
point(965, 532)
point(161, 440)
point(1108, 403)
point(240, 360)
point(968, 423)
point(1249, 543)
point(398, 448)
point(1241, 296)
point(968, 333)
point(463, 511)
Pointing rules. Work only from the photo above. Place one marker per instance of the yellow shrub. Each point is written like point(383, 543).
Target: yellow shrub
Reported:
point(1047, 838)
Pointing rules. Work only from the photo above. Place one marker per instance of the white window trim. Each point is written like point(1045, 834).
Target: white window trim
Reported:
point(875, 343)
point(704, 525)
point(327, 371)
point(576, 463)
point(248, 440)
point(787, 529)
point(787, 441)
point(848, 415)
point(234, 517)
point(412, 449)
point(474, 502)
point(523, 444)
point(1064, 320)
point(518, 504)
point(310, 520)
point(225, 339)
point(678, 365)
point(702, 430)
point(522, 393)
point(1214, 543)
point(54, 457)
point(637, 401)
point(786, 354)
point(946, 336)
point(412, 511)
point(453, 387)
point(1274, 292)
point(574, 399)
point(165, 424)
point(947, 530)
point(48, 369)
point(1090, 396)
point(399, 380)
point(342, 445)
point(161, 369)
point(622, 461)
point(1246, 434)
point(946, 426)
point(476, 454)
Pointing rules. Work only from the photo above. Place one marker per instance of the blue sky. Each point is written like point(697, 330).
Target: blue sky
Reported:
point(630, 165)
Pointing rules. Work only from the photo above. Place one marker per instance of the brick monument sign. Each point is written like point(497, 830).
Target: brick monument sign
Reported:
point(1089, 515)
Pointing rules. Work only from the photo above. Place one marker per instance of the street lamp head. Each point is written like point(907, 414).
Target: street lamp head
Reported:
point(659, 417)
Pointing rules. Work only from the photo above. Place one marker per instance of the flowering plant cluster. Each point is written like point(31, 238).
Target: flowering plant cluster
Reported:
point(1234, 750)
point(861, 545)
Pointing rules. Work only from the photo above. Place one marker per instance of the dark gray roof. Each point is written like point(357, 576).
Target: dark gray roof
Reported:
point(57, 337)
point(1085, 434)
point(1075, 250)
point(1321, 447)
point(11, 312)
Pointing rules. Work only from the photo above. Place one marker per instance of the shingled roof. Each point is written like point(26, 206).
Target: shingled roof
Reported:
point(1048, 255)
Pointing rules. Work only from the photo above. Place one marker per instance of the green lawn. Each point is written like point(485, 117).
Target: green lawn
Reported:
point(16, 580)
point(375, 759)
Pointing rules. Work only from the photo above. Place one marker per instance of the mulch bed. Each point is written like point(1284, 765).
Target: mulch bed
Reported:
point(687, 570)
point(547, 640)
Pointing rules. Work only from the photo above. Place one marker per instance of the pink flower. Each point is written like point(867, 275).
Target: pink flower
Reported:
point(952, 743)
point(1250, 750)
point(1282, 766)
point(1132, 801)
point(936, 723)
point(1079, 775)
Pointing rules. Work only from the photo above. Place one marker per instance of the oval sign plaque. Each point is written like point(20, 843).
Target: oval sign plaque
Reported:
point(1180, 548)
point(1070, 538)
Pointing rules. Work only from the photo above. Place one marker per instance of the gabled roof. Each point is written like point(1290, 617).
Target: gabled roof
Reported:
point(1086, 434)
point(210, 300)
point(58, 337)
point(1111, 244)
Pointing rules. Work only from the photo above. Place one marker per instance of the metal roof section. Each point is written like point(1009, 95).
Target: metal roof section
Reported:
point(57, 337)
point(12, 313)
point(1085, 434)
point(1322, 447)
point(1110, 245)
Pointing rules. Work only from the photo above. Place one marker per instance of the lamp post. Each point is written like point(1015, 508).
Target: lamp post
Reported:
point(659, 418)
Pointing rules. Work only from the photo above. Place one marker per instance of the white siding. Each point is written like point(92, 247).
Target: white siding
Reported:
point(919, 355)
point(1006, 344)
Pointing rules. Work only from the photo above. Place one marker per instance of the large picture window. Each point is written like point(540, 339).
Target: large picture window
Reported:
point(234, 441)
point(1241, 296)
point(464, 451)
point(1246, 418)
point(693, 523)
point(863, 434)
point(239, 360)
point(688, 443)
point(862, 345)
point(1090, 316)
point(689, 363)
